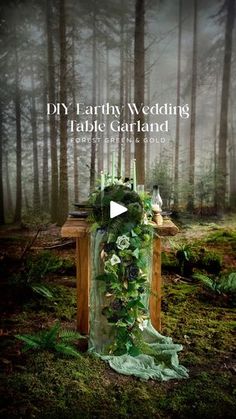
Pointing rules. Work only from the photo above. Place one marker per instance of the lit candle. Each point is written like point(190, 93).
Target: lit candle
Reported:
point(102, 181)
point(113, 168)
point(134, 176)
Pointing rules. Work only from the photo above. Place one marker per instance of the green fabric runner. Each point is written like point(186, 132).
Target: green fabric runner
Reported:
point(163, 366)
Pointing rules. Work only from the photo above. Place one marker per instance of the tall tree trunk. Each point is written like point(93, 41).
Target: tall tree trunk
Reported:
point(2, 218)
point(190, 204)
point(139, 88)
point(26, 200)
point(94, 94)
point(121, 86)
point(232, 162)
point(128, 89)
point(45, 181)
point(100, 155)
point(223, 130)
point(17, 99)
point(63, 189)
point(107, 99)
point(36, 193)
point(75, 146)
point(148, 87)
point(215, 143)
point(177, 128)
point(9, 204)
point(52, 119)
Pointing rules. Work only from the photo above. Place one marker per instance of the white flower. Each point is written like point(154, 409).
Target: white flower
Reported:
point(141, 326)
point(114, 260)
point(123, 242)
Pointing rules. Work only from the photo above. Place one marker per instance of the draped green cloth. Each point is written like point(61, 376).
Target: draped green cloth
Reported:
point(164, 365)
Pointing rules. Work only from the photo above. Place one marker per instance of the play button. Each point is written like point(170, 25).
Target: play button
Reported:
point(116, 209)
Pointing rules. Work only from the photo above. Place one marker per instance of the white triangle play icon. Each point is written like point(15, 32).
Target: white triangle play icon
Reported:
point(116, 209)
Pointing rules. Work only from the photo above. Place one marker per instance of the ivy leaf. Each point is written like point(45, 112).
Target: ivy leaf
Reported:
point(133, 294)
point(108, 277)
point(130, 320)
point(134, 351)
point(128, 346)
point(140, 305)
point(133, 303)
point(116, 286)
point(121, 324)
point(133, 234)
point(135, 253)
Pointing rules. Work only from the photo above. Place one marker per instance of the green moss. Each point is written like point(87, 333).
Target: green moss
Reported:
point(44, 385)
point(209, 261)
point(59, 388)
point(169, 262)
point(188, 257)
point(62, 306)
point(187, 401)
point(225, 236)
point(202, 328)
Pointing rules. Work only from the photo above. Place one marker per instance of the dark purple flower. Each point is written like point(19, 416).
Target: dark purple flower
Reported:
point(132, 272)
point(108, 247)
point(116, 305)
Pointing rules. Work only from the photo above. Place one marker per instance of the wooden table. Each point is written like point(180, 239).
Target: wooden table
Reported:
point(80, 229)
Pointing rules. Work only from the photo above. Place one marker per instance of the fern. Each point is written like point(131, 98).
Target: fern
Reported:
point(224, 285)
point(208, 282)
point(69, 335)
point(66, 350)
point(42, 290)
point(50, 336)
point(31, 342)
point(53, 339)
point(228, 284)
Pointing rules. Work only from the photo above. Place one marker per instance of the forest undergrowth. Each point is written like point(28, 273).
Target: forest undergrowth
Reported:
point(38, 289)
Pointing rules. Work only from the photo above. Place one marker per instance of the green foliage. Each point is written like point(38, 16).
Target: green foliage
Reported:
point(226, 284)
point(62, 305)
point(32, 219)
point(205, 187)
point(42, 290)
point(73, 385)
point(186, 258)
point(223, 236)
point(53, 339)
point(126, 255)
point(209, 261)
point(37, 267)
point(34, 269)
point(169, 261)
point(190, 257)
point(63, 387)
point(118, 193)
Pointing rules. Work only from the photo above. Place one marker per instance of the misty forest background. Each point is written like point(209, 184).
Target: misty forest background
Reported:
point(116, 51)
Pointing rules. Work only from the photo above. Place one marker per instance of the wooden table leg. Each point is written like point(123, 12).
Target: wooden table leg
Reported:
point(83, 283)
point(155, 296)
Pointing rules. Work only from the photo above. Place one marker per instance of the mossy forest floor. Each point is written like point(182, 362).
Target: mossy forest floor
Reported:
point(46, 385)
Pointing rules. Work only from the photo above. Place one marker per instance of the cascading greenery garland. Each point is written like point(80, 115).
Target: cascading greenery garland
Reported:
point(126, 256)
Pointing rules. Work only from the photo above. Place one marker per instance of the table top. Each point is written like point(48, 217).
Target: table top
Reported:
point(76, 227)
